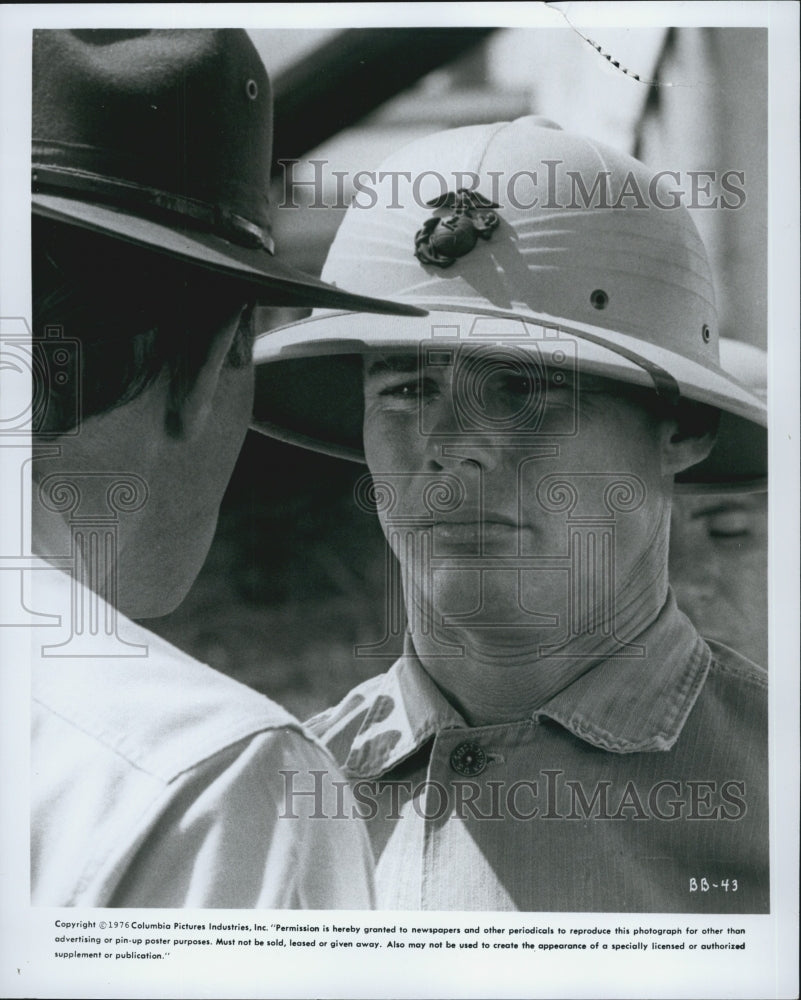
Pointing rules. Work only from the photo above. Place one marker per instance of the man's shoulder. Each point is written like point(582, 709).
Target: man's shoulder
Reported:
point(134, 759)
point(162, 711)
point(734, 697)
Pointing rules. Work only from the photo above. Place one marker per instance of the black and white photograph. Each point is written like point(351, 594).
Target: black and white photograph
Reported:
point(400, 479)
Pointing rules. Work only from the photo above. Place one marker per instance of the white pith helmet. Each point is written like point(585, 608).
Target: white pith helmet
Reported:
point(560, 246)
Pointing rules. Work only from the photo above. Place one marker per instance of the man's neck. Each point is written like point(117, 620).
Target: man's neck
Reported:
point(505, 675)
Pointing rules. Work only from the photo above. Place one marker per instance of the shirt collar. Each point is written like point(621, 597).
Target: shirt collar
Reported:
point(623, 704)
point(406, 709)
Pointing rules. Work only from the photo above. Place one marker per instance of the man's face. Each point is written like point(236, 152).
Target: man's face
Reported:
point(718, 568)
point(511, 495)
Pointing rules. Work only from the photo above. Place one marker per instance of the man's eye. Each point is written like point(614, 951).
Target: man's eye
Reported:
point(402, 389)
point(409, 389)
point(728, 533)
point(729, 524)
point(519, 385)
point(508, 383)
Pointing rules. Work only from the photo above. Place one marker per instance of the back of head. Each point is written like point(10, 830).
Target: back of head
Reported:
point(150, 238)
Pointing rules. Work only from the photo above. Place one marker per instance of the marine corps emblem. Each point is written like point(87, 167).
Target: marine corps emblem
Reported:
point(441, 241)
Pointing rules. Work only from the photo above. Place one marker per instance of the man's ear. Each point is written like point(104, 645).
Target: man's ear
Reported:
point(197, 403)
point(682, 447)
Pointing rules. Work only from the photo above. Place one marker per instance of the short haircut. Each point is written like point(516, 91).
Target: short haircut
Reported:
point(135, 312)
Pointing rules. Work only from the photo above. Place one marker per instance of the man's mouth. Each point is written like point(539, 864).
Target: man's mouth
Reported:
point(490, 531)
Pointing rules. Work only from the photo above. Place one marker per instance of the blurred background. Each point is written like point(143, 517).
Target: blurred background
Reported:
point(296, 577)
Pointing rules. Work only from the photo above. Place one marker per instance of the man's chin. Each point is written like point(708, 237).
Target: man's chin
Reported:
point(497, 618)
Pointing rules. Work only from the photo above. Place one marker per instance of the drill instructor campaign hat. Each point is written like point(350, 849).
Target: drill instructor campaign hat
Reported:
point(530, 238)
point(164, 139)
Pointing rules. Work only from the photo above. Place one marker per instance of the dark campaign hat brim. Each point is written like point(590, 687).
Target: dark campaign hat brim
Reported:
point(163, 138)
point(271, 281)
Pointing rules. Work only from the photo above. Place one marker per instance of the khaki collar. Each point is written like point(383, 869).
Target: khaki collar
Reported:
point(622, 704)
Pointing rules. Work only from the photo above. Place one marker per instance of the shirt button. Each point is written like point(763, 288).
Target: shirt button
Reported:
point(468, 758)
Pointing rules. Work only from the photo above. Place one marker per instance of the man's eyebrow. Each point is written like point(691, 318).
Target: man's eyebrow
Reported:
point(405, 363)
point(734, 507)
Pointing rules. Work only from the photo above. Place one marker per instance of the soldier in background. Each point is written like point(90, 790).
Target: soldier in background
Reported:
point(718, 543)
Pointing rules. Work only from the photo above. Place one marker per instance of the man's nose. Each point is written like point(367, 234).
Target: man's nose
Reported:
point(466, 449)
point(450, 443)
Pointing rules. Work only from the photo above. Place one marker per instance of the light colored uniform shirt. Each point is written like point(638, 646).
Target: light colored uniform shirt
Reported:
point(157, 781)
point(642, 786)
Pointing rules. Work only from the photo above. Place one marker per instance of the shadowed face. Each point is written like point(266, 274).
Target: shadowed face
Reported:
point(718, 568)
point(188, 476)
point(164, 536)
point(511, 495)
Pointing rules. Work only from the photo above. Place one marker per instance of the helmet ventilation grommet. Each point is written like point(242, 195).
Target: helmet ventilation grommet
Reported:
point(599, 299)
